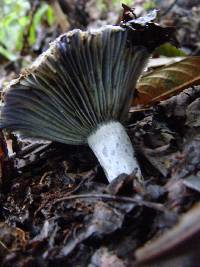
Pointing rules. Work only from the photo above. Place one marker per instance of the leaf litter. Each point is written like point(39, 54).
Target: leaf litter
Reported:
point(58, 208)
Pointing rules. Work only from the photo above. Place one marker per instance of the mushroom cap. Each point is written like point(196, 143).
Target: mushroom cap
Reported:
point(85, 78)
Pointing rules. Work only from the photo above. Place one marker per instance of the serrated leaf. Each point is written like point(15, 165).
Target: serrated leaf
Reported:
point(168, 81)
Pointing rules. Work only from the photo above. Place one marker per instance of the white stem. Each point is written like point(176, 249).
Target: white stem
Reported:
point(113, 148)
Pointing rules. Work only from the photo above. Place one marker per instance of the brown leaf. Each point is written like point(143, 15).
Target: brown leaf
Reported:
point(175, 246)
point(167, 81)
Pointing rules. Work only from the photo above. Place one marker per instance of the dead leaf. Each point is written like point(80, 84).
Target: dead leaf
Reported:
point(168, 81)
point(193, 114)
point(11, 238)
point(105, 258)
point(193, 182)
point(105, 220)
point(175, 246)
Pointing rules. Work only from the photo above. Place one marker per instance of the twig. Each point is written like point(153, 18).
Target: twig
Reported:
point(4, 246)
point(48, 200)
point(108, 197)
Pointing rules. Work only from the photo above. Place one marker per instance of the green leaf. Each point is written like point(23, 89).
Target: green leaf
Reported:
point(32, 35)
point(169, 50)
point(149, 5)
point(7, 54)
point(23, 21)
point(44, 12)
point(126, 2)
point(13, 23)
point(50, 16)
point(40, 14)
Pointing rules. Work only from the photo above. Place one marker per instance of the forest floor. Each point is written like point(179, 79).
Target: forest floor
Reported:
point(56, 206)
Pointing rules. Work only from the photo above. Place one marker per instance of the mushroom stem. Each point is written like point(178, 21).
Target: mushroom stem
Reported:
point(113, 149)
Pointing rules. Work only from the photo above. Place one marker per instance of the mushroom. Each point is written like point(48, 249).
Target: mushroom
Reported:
point(79, 91)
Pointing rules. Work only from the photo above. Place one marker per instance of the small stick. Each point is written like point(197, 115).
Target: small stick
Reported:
point(108, 197)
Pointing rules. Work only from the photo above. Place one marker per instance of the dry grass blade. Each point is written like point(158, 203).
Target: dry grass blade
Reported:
point(167, 81)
